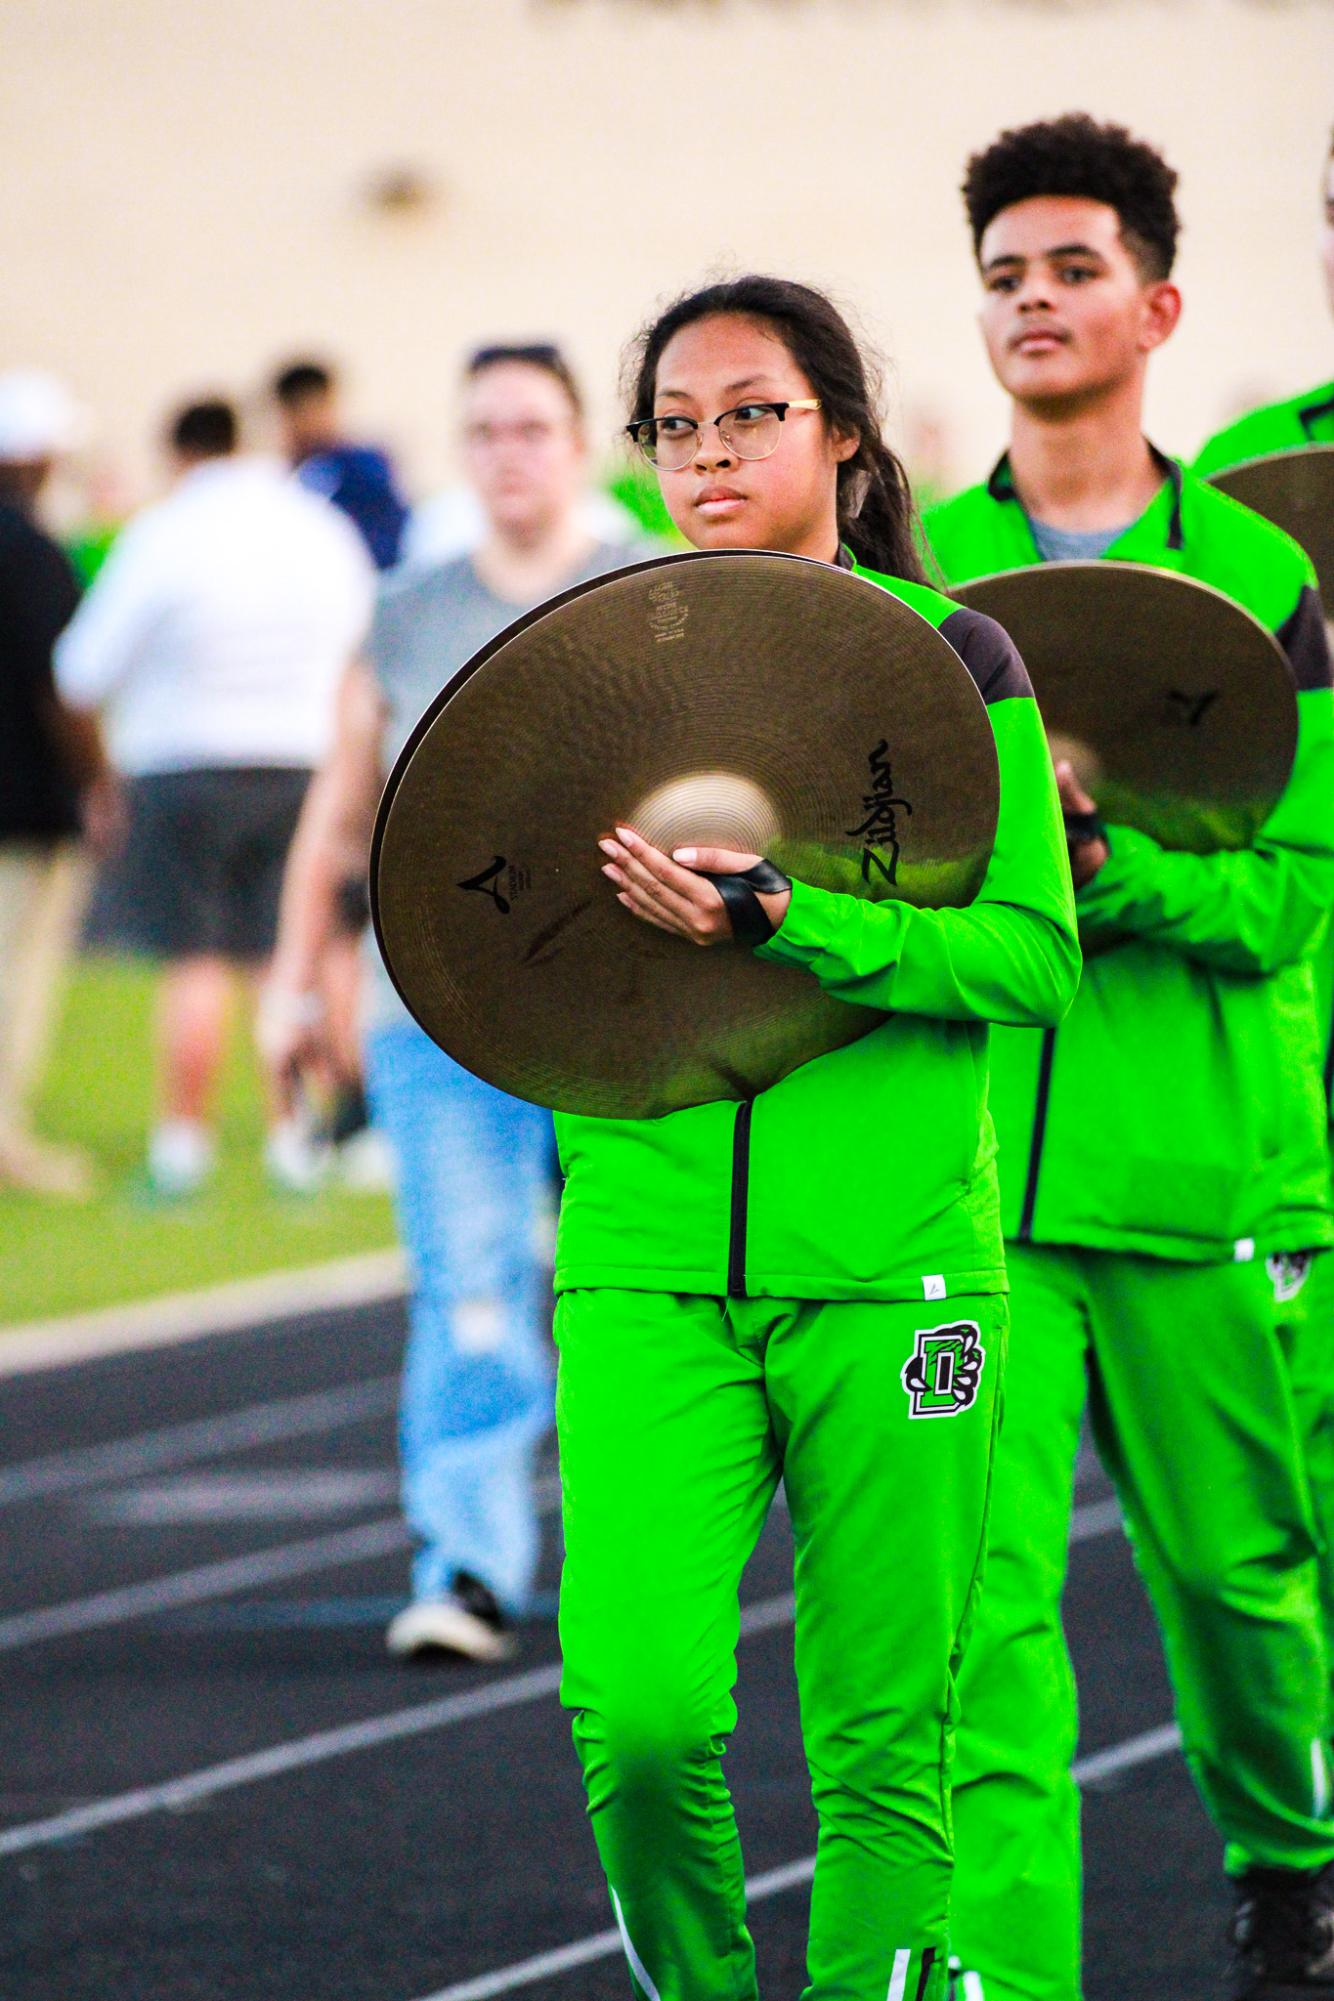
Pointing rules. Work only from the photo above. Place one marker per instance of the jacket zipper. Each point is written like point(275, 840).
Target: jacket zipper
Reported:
point(1039, 1135)
point(736, 1236)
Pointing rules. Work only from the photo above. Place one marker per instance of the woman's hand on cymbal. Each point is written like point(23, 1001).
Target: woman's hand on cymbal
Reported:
point(1087, 856)
point(671, 891)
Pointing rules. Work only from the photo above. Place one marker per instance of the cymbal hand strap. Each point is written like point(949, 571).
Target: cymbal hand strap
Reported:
point(1081, 828)
point(746, 914)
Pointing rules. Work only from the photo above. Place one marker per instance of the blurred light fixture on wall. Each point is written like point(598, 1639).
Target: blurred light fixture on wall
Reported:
point(400, 189)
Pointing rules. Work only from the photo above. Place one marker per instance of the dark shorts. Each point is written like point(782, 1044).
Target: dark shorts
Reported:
point(203, 866)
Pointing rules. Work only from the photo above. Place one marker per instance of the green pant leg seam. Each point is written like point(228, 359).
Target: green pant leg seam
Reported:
point(725, 1831)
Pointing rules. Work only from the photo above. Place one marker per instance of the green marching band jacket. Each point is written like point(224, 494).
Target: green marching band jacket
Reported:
point(1279, 427)
point(1285, 427)
point(1177, 1111)
point(868, 1172)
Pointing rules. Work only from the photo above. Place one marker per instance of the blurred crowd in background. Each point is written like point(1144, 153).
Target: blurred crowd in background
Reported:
point(157, 751)
point(171, 686)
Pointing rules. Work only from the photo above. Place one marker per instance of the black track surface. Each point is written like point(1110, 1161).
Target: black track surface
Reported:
point(394, 1871)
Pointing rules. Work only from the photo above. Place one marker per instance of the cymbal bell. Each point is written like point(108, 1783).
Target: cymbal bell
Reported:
point(1175, 706)
point(1295, 490)
point(741, 699)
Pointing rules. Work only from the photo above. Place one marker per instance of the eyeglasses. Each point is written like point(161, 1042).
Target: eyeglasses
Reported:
point(751, 431)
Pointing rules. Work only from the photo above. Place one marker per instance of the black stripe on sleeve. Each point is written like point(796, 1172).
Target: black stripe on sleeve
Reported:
point(988, 652)
point(1309, 417)
point(1304, 640)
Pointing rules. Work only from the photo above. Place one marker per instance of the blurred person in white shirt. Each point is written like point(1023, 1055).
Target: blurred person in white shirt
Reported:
point(212, 643)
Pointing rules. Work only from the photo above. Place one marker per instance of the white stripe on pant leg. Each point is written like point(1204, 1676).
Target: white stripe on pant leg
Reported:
point(637, 1966)
point(898, 1979)
point(1320, 1772)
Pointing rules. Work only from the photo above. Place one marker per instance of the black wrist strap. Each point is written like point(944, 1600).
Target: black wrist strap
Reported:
point(746, 914)
point(1082, 828)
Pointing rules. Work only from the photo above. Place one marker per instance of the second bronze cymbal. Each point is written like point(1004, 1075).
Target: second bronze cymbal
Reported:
point(1296, 491)
point(1176, 706)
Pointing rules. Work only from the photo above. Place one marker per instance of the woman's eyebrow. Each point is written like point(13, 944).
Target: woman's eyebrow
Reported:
point(732, 388)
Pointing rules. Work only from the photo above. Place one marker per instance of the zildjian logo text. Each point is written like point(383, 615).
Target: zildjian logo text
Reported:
point(879, 831)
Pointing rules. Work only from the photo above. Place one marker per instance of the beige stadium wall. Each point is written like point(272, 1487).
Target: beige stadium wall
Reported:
point(188, 186)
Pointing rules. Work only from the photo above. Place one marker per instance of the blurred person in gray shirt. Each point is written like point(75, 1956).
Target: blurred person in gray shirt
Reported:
point(472, 1164)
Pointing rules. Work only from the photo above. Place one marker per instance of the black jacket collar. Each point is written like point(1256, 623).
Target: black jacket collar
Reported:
point(1001, 487)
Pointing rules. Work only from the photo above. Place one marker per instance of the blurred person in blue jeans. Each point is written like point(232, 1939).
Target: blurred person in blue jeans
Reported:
point(471, 1163)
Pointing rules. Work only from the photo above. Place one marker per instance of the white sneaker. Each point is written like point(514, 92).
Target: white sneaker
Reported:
point(294, 1159)
point(443, 1625)
point(180, 1157)
point(364, 1163)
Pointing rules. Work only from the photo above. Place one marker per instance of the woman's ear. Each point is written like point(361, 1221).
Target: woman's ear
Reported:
point(845, 444)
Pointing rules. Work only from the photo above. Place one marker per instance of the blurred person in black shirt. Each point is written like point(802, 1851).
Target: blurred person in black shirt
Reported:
point(57, 795)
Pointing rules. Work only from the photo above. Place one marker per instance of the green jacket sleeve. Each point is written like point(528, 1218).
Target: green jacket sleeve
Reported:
point(1250, 911)
point(1011, 956)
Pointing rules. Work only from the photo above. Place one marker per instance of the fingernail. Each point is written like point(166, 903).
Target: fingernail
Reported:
point(608, 847)
point(686, 855)
point(612, 874)
point(625, 834)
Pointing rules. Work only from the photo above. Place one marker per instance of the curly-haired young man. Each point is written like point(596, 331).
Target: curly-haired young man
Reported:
point(1154, 1150)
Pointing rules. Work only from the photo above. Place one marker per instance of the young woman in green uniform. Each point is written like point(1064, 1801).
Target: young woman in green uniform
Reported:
point(1154, 1149)
point(765, 1291)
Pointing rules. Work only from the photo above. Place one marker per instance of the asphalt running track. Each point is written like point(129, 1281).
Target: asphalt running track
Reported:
point(215, 1786)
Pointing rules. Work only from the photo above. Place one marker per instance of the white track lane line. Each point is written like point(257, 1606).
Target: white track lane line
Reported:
point(763, 1617)
point(1095, 1518)
point(240, 1306)
point(605, 1945)
point(176, 1794)
point(307, 1416)
point(295, 1559)
point(205, 1581)
point(222, 1579)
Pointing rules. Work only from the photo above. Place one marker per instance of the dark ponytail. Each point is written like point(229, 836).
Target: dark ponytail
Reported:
point(876, 517)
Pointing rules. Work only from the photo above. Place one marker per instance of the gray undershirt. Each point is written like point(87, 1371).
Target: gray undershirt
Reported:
point(1073, 545)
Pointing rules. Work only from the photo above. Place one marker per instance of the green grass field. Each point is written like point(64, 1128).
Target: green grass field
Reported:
point(62, 1257)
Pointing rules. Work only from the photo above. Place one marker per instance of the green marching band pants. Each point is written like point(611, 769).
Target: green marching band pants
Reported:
point(1196, 1421)
point(678, 1415)
point(1304, 1314)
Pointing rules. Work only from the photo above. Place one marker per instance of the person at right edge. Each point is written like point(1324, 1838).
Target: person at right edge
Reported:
point(1154, 1149)
point(1304, 1285)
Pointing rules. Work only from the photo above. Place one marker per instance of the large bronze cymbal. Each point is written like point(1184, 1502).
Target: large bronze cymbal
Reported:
point(1176, 707)
point(740, 699)
point(1296, 490)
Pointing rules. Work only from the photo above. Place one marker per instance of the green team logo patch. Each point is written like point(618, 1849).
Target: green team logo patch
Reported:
point(942, 1376)
point(1288, 1273)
